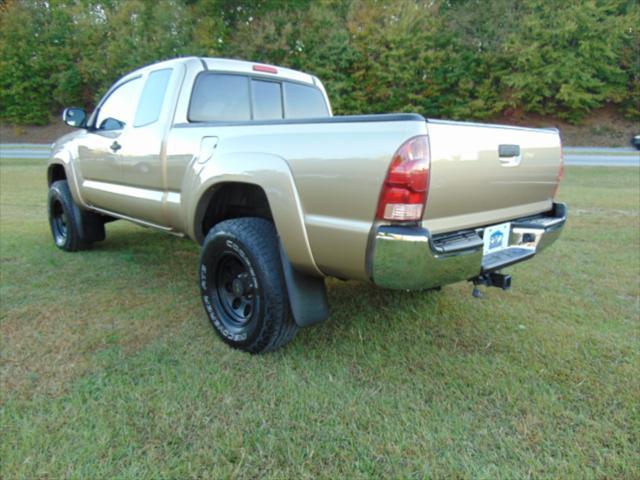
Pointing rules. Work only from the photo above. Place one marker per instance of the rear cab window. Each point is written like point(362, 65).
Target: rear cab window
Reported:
point(267, 100)
point(222, 97)
point(302, 101)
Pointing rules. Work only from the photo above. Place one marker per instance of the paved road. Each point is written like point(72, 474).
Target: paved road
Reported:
point(589, 156)
point(24, 150)
point(600, 157)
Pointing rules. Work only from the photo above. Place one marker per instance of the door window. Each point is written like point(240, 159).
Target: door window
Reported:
point(117, 110)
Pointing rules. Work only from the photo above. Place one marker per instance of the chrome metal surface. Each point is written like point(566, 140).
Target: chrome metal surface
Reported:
point(407, 261)
point(406, 257)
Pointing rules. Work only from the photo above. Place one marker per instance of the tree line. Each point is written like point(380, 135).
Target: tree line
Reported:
point(461, 59)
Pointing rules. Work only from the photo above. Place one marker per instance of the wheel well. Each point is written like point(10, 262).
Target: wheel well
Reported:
point(56, 172)
point(230, 200)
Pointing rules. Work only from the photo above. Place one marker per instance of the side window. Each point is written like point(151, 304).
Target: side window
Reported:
point(267, 100)
point(117, 111)
point(220, 97)
point(301, 101)
point(152, 97)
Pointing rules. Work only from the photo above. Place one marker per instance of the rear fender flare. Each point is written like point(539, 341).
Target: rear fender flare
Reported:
point(269, 172)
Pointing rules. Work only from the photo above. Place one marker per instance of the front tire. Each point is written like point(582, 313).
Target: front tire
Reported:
point(72, 229)
point(243, 288)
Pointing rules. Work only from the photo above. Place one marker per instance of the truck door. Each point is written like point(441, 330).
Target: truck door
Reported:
point(98, 150)
point(142, 156)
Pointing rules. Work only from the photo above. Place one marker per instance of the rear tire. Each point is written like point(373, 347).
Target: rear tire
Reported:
point(72, 228)
point(243, 287)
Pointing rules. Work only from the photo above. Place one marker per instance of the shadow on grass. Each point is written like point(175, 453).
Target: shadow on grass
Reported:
point(356, 307)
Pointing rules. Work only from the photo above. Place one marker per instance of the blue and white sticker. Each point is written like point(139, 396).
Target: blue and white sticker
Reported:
point(496, 237)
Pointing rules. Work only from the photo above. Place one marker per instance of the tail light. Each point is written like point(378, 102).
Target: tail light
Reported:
point(560, 176)
point(405, 189)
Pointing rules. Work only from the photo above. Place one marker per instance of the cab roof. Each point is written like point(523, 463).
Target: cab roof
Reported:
point(235, 66)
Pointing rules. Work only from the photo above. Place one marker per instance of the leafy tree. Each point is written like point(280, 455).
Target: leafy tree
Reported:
point(565, 60)
point(37, 71)
point(315, 40)
point(449, 58)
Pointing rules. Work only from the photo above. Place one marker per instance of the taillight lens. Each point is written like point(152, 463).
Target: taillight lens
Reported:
point(560, 173)
point(404, 192)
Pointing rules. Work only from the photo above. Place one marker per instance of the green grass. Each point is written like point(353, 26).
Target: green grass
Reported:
point(111, 370)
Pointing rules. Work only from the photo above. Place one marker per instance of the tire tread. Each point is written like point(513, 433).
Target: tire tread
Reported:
point(260, 239)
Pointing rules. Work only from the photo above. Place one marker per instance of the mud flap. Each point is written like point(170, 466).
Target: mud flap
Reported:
point(307, 294)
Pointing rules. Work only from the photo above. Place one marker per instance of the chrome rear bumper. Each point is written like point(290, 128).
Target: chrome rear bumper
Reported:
point(410, 258)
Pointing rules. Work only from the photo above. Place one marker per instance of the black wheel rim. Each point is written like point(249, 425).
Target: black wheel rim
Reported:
point(236, 292)
point(58, 222)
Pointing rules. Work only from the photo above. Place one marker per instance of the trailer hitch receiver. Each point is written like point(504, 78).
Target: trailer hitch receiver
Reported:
point(493, 279)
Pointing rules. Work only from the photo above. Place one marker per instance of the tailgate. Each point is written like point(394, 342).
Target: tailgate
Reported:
point(485, 174)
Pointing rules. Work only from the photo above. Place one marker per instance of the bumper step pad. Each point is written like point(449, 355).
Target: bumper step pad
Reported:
point(504, 258)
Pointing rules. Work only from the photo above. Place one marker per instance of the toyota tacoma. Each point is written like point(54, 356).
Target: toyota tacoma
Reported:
point(248, 160)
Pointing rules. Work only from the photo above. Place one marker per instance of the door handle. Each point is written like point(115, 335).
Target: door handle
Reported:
point(115, 146)
point(510, 155)
point(509, 150)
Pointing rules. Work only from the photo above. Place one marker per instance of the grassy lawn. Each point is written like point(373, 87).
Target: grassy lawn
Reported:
point(110, 368)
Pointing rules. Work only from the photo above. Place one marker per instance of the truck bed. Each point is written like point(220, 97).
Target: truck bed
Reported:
point(339, 164)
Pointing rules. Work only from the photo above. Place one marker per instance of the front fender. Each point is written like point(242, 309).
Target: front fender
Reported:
point(272, 174)
point(64, 153)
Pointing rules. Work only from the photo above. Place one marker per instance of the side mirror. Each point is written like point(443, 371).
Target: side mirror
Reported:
point(74, 117)
point(111, 124)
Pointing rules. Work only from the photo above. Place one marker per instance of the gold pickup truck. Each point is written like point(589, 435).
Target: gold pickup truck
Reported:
point(247, 160)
